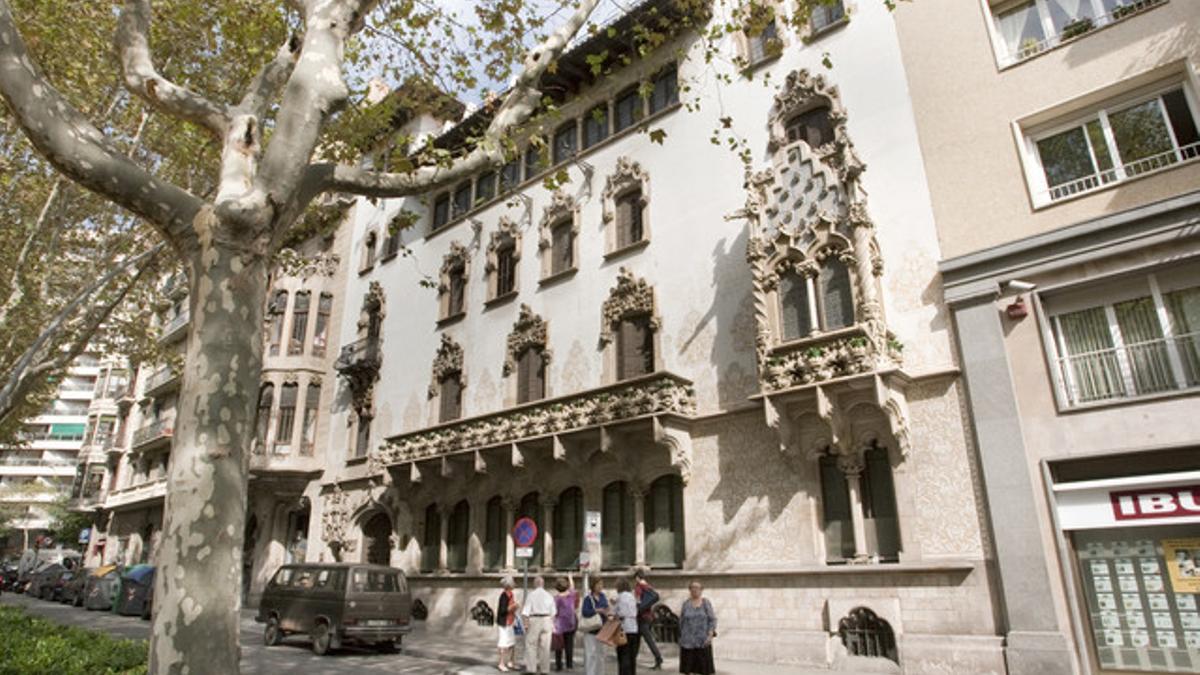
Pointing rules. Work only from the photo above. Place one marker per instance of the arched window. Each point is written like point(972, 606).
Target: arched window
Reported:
point(664, 522)
point(495, 531)
point(312, 406)
point(837, 301)
point(531, 375)
point(450, 396)
point(299, 323)
point(795, 306)
point(377, 544)
point(321, 331)
point(266, 397)
point(835, 510)
point(814, 127)
point(568, 529)
point(617, 545)
point(458, 536)
point(287, 416)
point(431, 542)
point(531, 507)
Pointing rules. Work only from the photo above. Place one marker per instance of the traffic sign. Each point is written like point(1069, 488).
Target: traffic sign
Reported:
point(524, 532)
point(524, 551)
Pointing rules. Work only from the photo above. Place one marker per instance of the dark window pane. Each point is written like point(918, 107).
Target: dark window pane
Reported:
point(531, 380)
point(441, 210)
point(510, 175)
point(794, 306)
point(458, 288)
point(628, 109)
point(533, 162)
point(835, 509)
point(266, 397)
point(485, 187)
point(287, 414)
point(431, 542)
point(825, 15)
point(617, 544)
point(299, 323)
point(595, 126)
point(1140, 131)
point(450, 398)
point(506, 271)
point(568, 529)
point(666, 90)
point(566, 142)
point(837, 302)
point(664, 522)
point(458, 537)
point(635, 348)
point(879, 506)
point(494, 535)
point(462, 199)
point(813, 127)
point(1065, 157)
point(629, 218)
point(362, 442)
point(1182, 121)
point(562, 252)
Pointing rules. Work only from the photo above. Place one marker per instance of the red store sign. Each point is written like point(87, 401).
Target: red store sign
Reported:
point(1162, 499)
point(1181, 501)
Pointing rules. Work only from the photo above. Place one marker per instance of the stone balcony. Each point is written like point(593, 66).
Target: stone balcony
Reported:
point(152, 434)
point(153, 489)
point(161, 381)
point(657, 402)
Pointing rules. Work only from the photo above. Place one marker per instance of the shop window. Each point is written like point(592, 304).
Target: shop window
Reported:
point(494, 535)
point(299, 323)
point(531, 507)
point(312, 406)
point(458, 534)
point(450, 397)
point(618, 543)
point(321, 330)
point(287, 416)
point(628, 109)
point(595, 125)
point(431, 542)
point(629, 218)
point(566, 142)
point(664, 522)
point(568, 529)
point(664, 90)
point(531, 376)
point(277, 311)
point(377, 544)
point(814, 127)
point(262, 423)
point(635, 347)
point(441, 211)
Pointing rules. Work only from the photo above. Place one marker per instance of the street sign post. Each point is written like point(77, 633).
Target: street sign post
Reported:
point(524, 533)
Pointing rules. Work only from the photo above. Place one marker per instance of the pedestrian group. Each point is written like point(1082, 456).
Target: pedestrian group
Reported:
point(549, 622)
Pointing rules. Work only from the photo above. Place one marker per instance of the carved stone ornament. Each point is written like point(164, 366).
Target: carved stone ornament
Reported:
point(803, 91)
point(449, 359)
point(291, 263)
point(630, 297)
point(335, 523)
point(459, 254)
point(528, 331)
point(627, 175)
point(507, 231)
point(560, 208)
point(665, 394)
point(373, 303)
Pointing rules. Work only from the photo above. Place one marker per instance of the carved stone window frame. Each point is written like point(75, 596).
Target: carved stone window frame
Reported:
point(627, 176)
point(808, 263)
point(631, 297)
point(506, 232)
point(529, 330)
point(459, 254)
point(562, 208)
point(803, 91)
point(447, 360)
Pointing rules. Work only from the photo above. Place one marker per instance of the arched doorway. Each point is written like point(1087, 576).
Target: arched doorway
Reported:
point(377, 533)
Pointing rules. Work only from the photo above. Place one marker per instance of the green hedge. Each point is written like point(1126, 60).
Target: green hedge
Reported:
point(31, 645)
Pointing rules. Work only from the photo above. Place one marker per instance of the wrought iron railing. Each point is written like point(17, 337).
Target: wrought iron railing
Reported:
point(359, 353)
point(1083, 25)
point(153, 432)
point(1124, 172)
point(1137, 369)
point(160, 378)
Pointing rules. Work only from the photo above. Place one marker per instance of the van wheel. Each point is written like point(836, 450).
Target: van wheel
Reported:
point(321, 638)
point(272, 635)
point(386, 647)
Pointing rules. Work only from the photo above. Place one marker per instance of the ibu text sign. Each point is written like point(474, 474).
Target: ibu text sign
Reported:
point(1131, 501)
point(1178, 501)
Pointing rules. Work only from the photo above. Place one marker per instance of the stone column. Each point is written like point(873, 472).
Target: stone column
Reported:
point(510, 509)
point(1034, 643)
point(548, 505)
point(443, 538)
point(638, 492)
point(854, 490)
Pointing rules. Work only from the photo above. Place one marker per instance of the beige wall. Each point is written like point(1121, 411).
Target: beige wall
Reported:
point(966, 107)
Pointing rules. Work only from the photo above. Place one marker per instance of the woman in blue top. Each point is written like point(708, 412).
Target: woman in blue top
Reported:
point(594, 603)
point(697, 628)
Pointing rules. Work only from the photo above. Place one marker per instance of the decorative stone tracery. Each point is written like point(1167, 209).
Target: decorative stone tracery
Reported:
point(528, 331)
point(630, 297)
point(449, 359)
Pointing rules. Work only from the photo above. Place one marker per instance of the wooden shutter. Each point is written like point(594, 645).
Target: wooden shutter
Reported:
point(635, 348)
point(562, 252)
point(457, 291)
point(531, 385)
point(629, 218)
point(450, 397)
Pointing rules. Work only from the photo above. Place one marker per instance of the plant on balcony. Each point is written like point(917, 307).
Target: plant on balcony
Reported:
point(1077, 27)
point(1029, 47)
point(1128, 8)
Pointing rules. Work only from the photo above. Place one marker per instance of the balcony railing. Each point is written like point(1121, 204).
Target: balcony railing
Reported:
point(1083, 25)
point(174, 326)
point(30, 436)
point(1096, 181)
point(161, 380)
point(153, 432)
point(176, 286)
point(359, 354)
point(1140, 369)
point(643, 397)
point(36, 462)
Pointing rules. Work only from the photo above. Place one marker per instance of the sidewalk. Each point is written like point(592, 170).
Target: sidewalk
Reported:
point(474, 649)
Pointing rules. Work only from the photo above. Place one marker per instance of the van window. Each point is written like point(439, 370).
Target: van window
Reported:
point(377, 582)
point(331, 579)
point(304, 579)
point(283, 577)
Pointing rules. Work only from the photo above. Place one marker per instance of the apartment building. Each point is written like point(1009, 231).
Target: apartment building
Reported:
point(41, 469)
point(745, 377)
point(1060, 143)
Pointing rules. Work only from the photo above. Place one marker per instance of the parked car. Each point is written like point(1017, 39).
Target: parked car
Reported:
point(134, 597)
point(335, 604)
point(74, 591)
point(41, 576)
point(101, 587)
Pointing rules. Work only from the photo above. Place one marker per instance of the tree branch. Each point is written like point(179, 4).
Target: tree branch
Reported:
point(519, 104)
point(143, 79)
point(34, 361)
point(271, 78)
point(77, 148)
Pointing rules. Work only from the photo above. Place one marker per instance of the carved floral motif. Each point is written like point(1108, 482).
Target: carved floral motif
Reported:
point(449, 359)
point(528, 331)
point(335, 522)
point(630, 297)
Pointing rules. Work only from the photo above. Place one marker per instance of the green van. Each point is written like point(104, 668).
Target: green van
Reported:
point(336, 604)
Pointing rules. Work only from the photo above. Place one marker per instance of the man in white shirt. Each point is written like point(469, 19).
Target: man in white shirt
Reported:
point(539, 610)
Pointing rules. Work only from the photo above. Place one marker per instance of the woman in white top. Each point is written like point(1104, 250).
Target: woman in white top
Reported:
point(626, 611)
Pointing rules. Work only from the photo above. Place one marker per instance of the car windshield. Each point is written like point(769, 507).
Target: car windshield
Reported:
point(376, 581)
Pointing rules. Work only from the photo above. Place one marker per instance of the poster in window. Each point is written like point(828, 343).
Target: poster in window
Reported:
point(1183, 563)
point(1153, 583)
point(1186, 603)
point(1128, 584)
point(1189, 620)
point(1192, 640)
point(1135, 619)
point(1139, 638)
point(1167, 640)
point(1158, 602)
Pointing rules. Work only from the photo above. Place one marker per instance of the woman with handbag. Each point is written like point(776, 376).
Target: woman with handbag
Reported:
point(593, 613)
point(697, 628)
point(506, 616)
point(565, 622)
point(626, 610)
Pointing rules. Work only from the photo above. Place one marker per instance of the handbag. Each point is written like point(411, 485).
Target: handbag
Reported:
point(556, 642)
point(612, 635)
point(590, 624)
point(518, 626)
